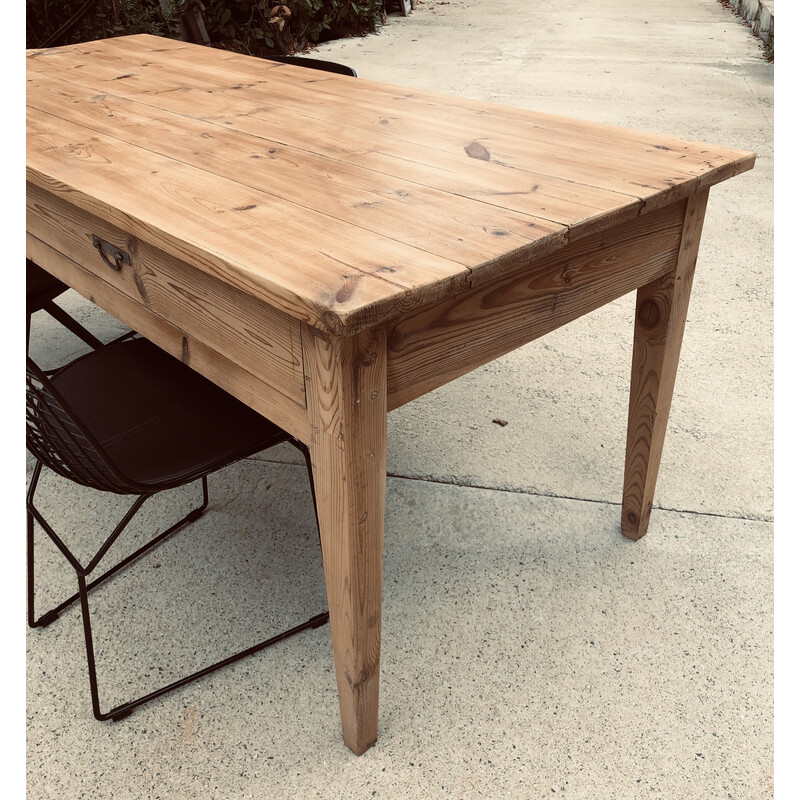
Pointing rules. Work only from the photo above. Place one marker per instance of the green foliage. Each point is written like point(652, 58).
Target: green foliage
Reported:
point(262, 27)
point(259, 27)
point(102, 18)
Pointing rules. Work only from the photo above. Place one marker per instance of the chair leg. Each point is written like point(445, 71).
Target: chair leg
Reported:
point(47, 618)
point(83, 593)
point(72, 325)
point(124, 709)
point(53, 613)
point(307, 455)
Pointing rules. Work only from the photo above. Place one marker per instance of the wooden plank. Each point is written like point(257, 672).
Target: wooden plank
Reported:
point(133, 57)
point(248, 388)
point(633, 160)
point(413, 106)
point(249, 332)
point(139, 43)
point(287, 120)
point(581, 207)
point(661, 308)
point(296, 260)
point(347, 419)
point(454, 227)
point(434, 345)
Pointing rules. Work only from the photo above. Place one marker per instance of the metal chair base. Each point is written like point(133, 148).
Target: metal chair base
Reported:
point(124, 709)
point(33, 512)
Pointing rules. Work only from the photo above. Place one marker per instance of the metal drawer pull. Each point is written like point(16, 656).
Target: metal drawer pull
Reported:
point(107, 249)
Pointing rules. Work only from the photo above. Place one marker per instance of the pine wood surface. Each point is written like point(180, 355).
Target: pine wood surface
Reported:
point(341, 201)
point(661, 307)
point(347, 418)
point(433, 345)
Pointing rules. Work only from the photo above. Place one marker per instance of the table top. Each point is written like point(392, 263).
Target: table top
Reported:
point(341, 201)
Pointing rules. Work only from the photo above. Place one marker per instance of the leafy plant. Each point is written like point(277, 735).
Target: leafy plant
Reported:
point(84, 20)
point(258, 27)
point(262, 27)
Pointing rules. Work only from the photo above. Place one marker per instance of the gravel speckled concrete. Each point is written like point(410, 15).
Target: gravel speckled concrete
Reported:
point(529, 651)
point(527, 647)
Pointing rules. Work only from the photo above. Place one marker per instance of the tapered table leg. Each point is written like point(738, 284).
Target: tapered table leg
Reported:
point(346, 396)
point(660, 319)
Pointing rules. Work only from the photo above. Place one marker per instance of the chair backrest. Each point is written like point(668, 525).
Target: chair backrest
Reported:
point(313, 63)
point(58, 438)
point(40, 287)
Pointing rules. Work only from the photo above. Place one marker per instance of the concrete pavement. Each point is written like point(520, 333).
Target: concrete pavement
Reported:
point(529, 651)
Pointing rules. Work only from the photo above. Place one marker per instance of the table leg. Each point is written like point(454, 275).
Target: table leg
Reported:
point(660, 318)
point(346, 396)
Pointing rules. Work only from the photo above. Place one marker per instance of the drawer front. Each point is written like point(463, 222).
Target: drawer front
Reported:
point(253, 338)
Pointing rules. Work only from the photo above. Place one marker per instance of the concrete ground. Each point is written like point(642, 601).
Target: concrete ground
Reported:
point(529, 650)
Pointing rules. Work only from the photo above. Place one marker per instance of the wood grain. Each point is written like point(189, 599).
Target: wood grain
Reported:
point(247, 387)
point(432, 346)
point(250, 333)
point(379, 199)
point(346, 392)
point(453, 227)
point(279, 117)
point(418, 116)
point(661, 307)
point(299, 261)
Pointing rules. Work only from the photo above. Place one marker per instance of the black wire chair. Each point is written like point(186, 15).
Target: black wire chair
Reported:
point(133, 420)
point(41, 288)
point(314, 63)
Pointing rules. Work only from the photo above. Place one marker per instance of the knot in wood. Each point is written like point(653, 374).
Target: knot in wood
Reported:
point(332, 323)
point(649, 314)
point(356, 684)
point(477, 150)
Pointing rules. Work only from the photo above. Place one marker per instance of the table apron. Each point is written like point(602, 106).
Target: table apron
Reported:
point(254, 351)
point(247, 347)
point(436, 344)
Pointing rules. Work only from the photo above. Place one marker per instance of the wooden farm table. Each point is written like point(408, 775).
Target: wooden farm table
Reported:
point(328, 248)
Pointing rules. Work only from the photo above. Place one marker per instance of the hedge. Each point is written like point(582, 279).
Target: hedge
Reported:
point(258, 27)
point(264, 26)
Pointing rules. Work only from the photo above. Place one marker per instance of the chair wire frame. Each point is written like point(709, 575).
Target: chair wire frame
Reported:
point(58, 439)
point(41, 291)
point(314, 63)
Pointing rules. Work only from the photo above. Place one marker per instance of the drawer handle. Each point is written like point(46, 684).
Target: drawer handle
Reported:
point(107, 249)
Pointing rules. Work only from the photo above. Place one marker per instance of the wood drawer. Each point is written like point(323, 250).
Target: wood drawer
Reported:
point(248, 347)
